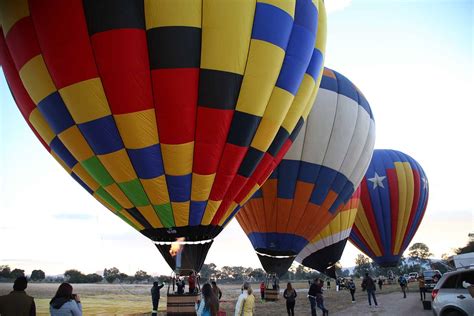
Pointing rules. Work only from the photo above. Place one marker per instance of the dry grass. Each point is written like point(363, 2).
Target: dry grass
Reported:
point(116, 299)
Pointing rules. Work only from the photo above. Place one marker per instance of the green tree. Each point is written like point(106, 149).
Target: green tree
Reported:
point(466, 249)
point(93, 278)
point(208, 271)
point(74, 276)
point(111, 274)
point(16, 273)
point(258, 274)
point(141, 275)
point(363, 265)
point(5, 271)
point(37, 275)
point(419, 251)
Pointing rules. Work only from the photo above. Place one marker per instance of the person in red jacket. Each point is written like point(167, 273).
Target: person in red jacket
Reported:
point(262, 290)
point(192, 283)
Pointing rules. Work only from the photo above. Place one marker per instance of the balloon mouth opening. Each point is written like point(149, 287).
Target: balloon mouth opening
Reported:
point(275, 256)
point(183, 242)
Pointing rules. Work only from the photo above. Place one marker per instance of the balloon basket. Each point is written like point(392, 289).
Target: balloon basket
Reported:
point(272, 295)
point(181, 304)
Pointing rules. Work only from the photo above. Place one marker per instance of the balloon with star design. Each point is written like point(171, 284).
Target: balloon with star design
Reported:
point(394, 196)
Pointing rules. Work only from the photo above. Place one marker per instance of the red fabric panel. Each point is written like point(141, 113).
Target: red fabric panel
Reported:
point(237, 183)
point(64, 40)
point(22, 42)
point(248, 186)
point(393, 187)
point(212, 127)
point(121, 56)
point(369, 212)
point(23, 100)
point(370, 253)
point(175, 96)
point(227, 170)
point(416, 201)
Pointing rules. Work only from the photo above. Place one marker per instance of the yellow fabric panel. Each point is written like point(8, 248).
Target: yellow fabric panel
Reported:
point(41, 126)
point(181, 213)
point(118, 195)
point(61, 162)
point(263, 67)
point(405, 200)
point(118, 165)
point(321, 34)
point(178, 159)
point(137, 225)
point(343, 221)
point(285, 5)
point(250, 194)
point(86, 100)
point(275, 113)
point(79, 170)
point(160, 13)
point(156, 190)
point(226, 30)
point(201, 186)
point(210, 211)
point(300, 103)
point(36, 79)
point(149, 213)
point(11, 11)
point(138, 129)
point(364, 227)
point(75, 143)
point(232, 207)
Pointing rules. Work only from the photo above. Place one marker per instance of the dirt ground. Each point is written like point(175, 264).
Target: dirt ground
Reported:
point(117, 299)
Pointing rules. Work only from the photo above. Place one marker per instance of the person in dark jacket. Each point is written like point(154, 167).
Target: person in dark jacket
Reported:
point(380, 283)
point(368, 285)
point(290, 295)
point(315, 295)
point(403, 285)
point(155, 296)
point(181, 285)
point(18, 303)
point(65, 303)
point(352, 288)
point(312, 297)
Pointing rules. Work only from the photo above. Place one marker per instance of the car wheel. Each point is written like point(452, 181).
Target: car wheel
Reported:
point(453, 312)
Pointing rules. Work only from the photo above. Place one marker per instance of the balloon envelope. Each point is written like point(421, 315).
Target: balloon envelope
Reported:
point(315, 178)
point(394, 196)
point(165, 111)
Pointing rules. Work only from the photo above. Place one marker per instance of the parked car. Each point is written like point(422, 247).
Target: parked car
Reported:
point(454, 294)
point(412, 276)
point(431, 278)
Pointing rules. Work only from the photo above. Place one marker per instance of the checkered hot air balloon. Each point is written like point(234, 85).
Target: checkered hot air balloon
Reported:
point(394, 196)
point(169, 113)
point(316, 177)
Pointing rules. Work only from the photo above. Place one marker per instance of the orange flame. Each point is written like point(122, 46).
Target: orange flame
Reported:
point(177, 246)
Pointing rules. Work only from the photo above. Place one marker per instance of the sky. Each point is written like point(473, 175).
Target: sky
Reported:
point(413, 60)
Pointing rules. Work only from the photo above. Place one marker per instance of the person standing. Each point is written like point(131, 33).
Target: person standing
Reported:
point(249, 304)
point(352, 289)
point(262, 290)
point(320, 297)
point(192, 283)
point(403, 284)
point(209, 304)
point(65, 303)
point(155, 296)
point(337, 285)
point(422, 286)
point(290, 295)
point(328, 284)
point(380, 283)
point(18, 303)
point(312, 297)
point(239, 306)
point(368, 285)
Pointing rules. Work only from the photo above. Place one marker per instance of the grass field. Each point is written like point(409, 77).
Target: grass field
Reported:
point(129, 299)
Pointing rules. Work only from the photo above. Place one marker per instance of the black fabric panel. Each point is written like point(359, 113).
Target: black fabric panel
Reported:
point(243, 128)
point(250, 162)
point(279, 266)
point(389, 264)
point(192, 256)
point(218, 89)
point(105, 15)
point(135, 213)
point(297, 129)
point(331, 272)
point(174, 47)
point(278, 142)
point(326, 257)
point(192, 233)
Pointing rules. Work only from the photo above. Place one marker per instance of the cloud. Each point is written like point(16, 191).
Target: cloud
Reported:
point(73, 216)
point(336, 5)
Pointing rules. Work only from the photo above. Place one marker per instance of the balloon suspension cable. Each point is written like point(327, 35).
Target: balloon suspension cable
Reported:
point(271, 256)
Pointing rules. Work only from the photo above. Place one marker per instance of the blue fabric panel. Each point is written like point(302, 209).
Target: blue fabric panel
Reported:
point(365, 104)
point(274, 174)
point(179, 188)
point(102, 135)
point(257, 194)
point(329, 83)
point(315, 64)
point(308, 172)
point(346, 87)
point(272, 24)
point(196, 211)
point(147, 161)
point(76, 177)
point(306, 15)
point(55, 113)
point(286, 184)
point(58, 147)
point(388, 260)
point(278, 241)
point(323, 185)
point(343, 197)
point(355, 239)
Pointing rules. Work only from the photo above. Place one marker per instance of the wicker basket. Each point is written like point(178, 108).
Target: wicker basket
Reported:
point(181, 304)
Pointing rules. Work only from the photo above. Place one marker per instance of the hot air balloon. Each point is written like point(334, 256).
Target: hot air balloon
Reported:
point(326, 248)
point(315, 178)
point(162, 109)
point(394, 195)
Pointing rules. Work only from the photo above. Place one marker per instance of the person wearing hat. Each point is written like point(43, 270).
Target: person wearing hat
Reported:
point(18, 303)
